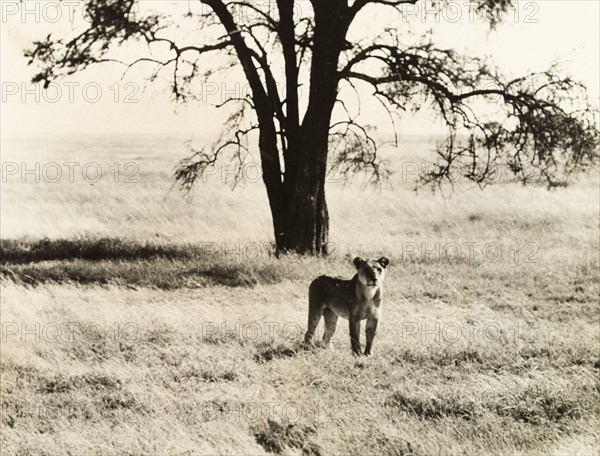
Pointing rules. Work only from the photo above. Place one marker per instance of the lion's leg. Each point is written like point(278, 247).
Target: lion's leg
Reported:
point(315, 311)
point(331, 319)
point(371, 329)
point(355, 335)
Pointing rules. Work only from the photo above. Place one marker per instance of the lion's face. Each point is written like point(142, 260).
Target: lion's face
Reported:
point(371, 272)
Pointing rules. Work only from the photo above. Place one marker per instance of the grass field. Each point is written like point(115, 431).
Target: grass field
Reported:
point(135, 322)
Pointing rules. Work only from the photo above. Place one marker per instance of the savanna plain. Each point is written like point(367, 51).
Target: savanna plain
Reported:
point(136, 321)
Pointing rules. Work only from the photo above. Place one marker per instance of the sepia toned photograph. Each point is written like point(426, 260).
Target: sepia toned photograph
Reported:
point(310, 227)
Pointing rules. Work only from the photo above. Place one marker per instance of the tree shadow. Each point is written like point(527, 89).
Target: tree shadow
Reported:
point(92, 249)
point(131, 263)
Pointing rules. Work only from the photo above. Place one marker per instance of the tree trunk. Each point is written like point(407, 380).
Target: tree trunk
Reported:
point(306, 216)
point(298, 206)
point(273, 183)
point(302, 214)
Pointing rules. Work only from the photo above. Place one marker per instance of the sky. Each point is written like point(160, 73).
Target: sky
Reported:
point(534, 35)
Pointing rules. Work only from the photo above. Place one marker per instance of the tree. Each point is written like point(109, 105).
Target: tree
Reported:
point(544, 120)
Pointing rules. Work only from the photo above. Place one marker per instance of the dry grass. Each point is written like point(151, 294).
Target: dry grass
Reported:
point(130, 328)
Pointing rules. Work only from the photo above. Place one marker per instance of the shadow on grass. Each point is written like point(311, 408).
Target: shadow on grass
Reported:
point(534, 404)
point(267, 352)
point(25, 251)
point(128, 263)
point(276, 437)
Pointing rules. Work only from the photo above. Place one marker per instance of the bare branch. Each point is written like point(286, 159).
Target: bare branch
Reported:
point(544, 119)
point(193, 167)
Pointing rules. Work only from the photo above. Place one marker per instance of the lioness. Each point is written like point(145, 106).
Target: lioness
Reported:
point(356, 299)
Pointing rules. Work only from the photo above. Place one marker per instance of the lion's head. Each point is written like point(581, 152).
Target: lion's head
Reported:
point(371, 272)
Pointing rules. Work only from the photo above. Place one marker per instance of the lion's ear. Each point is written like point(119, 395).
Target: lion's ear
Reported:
point(384, 261)
point(358, 262)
